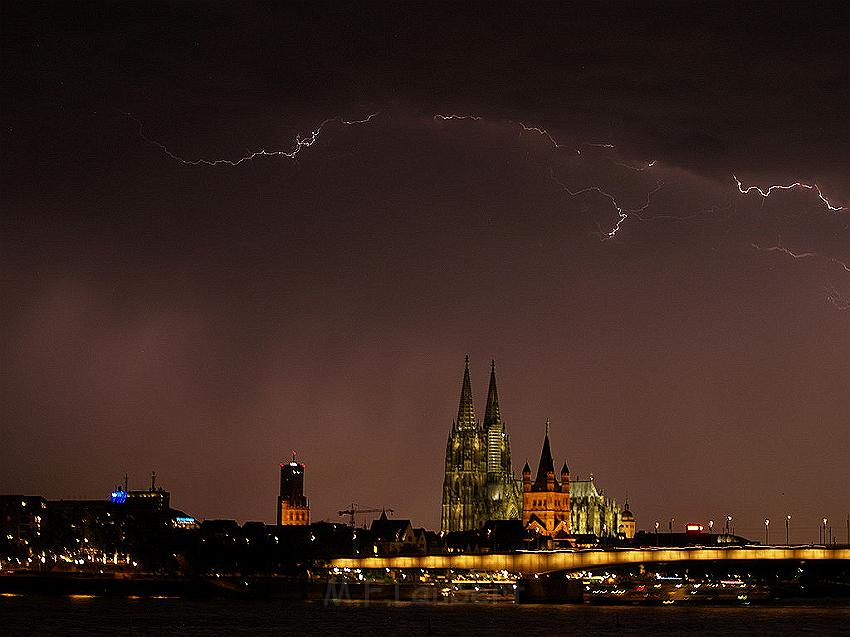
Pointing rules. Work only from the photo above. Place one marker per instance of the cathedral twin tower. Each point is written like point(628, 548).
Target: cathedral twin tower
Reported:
point(479, 484)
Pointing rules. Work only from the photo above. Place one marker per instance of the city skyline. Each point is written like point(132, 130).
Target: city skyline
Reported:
point(217, 248)
point(747, 523)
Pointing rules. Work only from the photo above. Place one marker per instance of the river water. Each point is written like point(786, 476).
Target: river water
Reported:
point(40, 615)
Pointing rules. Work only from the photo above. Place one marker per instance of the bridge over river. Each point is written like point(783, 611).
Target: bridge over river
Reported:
point(533, 562)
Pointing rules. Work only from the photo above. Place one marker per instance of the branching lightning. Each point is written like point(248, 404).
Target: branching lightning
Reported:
point(545, 133)
point(802, 255)
point(797, 184)
point(525, 127)
point(300, 143)
point(450, 117)
point(622, 213)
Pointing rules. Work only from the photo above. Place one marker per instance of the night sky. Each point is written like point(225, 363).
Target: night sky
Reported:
point(202, 321)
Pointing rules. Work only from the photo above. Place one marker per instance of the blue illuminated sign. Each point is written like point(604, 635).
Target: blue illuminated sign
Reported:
point(118, 497)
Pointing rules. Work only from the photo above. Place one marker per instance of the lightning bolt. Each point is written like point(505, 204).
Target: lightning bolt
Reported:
point(638, 168)
point(546, 134)
point(525, 127)
point(622, 213)
point(530, 129)
point(299, 144)
point(451, 117)
point(796, 184)
point(302, 142)
point(802, 255)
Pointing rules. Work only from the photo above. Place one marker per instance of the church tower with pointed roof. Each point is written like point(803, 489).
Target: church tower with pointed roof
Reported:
point(546, 501)
point(465, 483)
point(503, 491)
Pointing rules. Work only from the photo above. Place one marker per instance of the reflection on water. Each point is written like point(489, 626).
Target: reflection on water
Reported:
point(35, 615)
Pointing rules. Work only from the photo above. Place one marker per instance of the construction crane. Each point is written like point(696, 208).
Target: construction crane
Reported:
point(355, 509)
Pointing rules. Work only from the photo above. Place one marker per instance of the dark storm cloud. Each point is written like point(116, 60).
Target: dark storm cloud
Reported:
point(754, 87)
point(206, 321)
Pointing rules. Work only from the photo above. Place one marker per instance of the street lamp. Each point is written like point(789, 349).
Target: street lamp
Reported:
point(728, 520)
point(710, 526)
point(823, 532)
point(670, 524)
point(766, 534)
point(787, 520)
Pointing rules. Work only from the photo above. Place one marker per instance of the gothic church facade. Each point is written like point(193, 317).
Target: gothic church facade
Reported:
point(479, 484)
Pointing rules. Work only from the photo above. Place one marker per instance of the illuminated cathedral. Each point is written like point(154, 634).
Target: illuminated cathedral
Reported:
point(479, 483)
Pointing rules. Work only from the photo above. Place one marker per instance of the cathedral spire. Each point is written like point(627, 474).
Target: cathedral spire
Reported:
point(465, 410)
point(546, 466)
point(492, 415)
